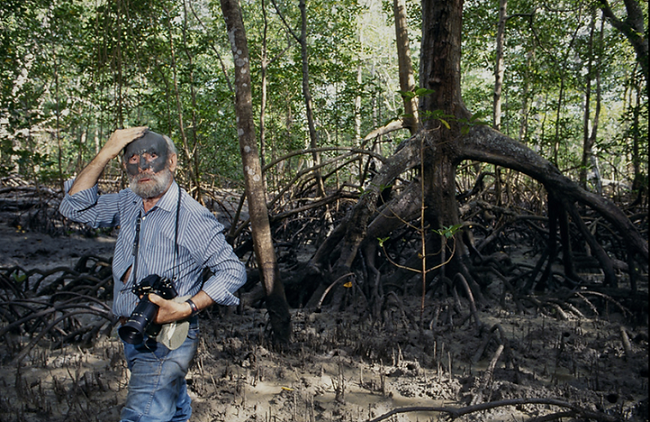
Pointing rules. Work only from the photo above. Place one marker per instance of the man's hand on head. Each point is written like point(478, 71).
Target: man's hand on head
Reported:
point(121, 138)
point(89, 176)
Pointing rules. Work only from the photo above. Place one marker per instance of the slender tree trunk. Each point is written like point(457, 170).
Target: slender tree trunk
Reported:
point(589, 136)
point(499, 71)
point(357, 99)
point(96, 139)
point(118, 65)
point(523, 127)
point(558, 113)
point(197, 194)
point(498, 68)
point(179, 110)
point(599, 96)
point(406, 78)
point(168, 100)
point(58, 122)
point(586, 146)
point(263, 67)
point(313, 135)
point(276, 301)
point(638, 183)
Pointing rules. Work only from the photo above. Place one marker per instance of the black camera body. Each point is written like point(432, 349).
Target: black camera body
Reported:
point(141, 319)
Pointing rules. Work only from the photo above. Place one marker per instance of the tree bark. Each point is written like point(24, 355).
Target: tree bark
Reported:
point(499, 73)
point(440, 60)
point(498, 69)
point(640, 181)
point(313, 135)
point(406, 78)
point(276, 302)
point(587, 143)
point(440, 73)
point(263, 67)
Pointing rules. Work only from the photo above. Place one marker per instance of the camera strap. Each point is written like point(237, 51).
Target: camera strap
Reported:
point(136, 247)
point(178, 211)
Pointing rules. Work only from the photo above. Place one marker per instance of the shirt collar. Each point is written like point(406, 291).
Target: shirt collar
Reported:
point(168, 200)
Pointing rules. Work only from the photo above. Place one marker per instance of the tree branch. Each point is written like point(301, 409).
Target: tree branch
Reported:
point(458, 412)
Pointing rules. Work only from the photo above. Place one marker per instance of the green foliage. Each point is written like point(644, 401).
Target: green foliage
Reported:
point(71, 71)
point(448, 232)
point(419, 92)
point(18, 278)
point(548, 54)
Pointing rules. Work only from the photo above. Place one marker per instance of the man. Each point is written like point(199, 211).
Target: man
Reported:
point(163, 232)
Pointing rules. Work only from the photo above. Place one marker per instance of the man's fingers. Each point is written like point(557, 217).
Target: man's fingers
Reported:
point(122, 137)
point(168, 309)
point(131, 134)
point(155, 299)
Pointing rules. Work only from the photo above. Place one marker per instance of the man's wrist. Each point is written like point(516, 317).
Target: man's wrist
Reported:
point(193, 308)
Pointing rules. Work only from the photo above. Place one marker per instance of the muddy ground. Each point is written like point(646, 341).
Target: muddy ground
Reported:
point(343, 366)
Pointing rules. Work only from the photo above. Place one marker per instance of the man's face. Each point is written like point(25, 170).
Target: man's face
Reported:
point(147, 165)
point(149, 153)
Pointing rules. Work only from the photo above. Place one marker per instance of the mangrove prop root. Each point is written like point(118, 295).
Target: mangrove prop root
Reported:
point(456, 412)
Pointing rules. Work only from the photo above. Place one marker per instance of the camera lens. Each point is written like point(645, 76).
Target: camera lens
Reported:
point(133, 331)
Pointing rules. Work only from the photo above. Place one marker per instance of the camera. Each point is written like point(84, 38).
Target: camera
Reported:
point(140, 321)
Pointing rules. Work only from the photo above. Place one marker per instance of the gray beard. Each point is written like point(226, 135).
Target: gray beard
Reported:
point(158, 186)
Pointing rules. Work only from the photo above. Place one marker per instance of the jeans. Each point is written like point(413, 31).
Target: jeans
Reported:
point(157, 388)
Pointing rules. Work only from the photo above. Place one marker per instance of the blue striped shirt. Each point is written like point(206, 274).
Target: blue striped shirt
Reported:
point(201, 243)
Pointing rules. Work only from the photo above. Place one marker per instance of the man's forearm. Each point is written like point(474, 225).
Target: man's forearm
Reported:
point(89, 175)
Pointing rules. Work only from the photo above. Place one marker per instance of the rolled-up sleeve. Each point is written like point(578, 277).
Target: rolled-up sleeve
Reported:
point(89, 207)
point(213, 252)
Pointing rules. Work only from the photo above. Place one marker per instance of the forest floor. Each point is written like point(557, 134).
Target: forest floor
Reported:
point(340, 366)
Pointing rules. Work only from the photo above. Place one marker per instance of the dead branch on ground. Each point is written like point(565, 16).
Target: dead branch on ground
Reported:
point(453, 412)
